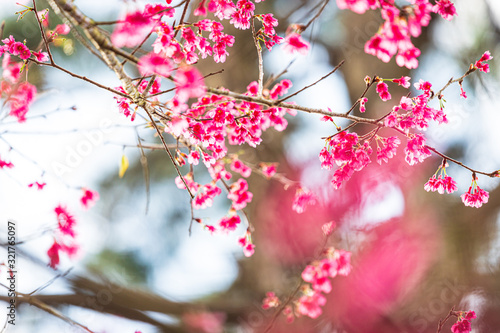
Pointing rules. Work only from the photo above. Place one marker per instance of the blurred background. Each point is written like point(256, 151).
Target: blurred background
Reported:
point(415, 254)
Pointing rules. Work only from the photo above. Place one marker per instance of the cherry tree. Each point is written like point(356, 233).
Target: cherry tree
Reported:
point(162, 54)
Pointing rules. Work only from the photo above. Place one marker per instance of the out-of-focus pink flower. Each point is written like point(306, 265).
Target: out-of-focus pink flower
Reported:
point(310, 305)
point(189, 83)
point(303, 198)
point(38, 185)
point(271, 301)
point(153, 63)
point(269, 169)
point(62, 29)
point(294, 43)
point(5, 164)
point(206, 322)
point(89, 198)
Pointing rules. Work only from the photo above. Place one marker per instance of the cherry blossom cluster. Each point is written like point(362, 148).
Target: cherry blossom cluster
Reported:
point(400, 24)
point(350, 152)
point(213, 121)
point(20, 95)
point(345, 151)
point(442, 182)
point(317, 276)
point(475, 196)
point(463, 325)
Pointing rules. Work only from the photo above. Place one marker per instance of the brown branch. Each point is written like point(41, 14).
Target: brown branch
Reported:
point(271, 103)
point(443, 321)
point(489, 174)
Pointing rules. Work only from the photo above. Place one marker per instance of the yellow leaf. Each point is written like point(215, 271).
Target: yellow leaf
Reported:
point(123, 166)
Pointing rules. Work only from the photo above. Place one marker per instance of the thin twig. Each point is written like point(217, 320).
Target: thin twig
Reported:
point(169, 153)
point(84, 78)
point(471, 70)
point(312, 84)
point(273, 77)
point(315, 16)
point(145, 168)
point(443, 321)
point(372, 81)
point(42, 31)
point(261, 61)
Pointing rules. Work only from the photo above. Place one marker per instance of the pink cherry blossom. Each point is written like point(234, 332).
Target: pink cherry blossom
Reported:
point(445, 8)
point(480, 63)
point(194, 157)
point(66, 221)
point(229, 223)
point(41, 56)
point(239, 194)
point(416, 151)
point(404, 81)
point(463, 325)
point(407, 55)
point(358, 6)
point(246, 243)
point(386, 148)
point(19, 49)
point(383, 91)
point(475, 196)
point(362, 104)
point(269, 169)
point(241, 168)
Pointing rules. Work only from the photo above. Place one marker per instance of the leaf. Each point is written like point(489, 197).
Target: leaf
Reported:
point(123, 166)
